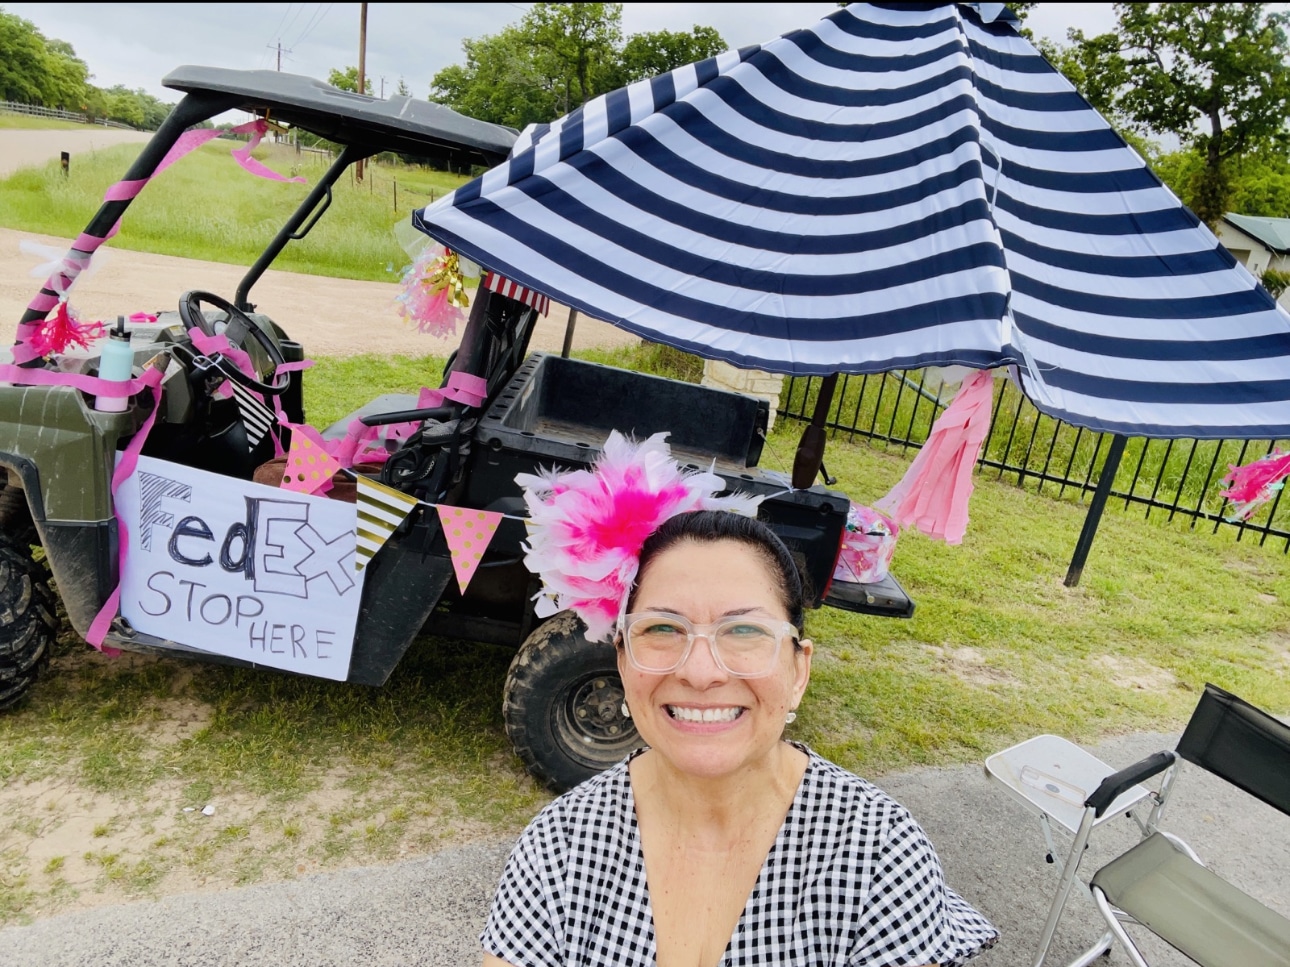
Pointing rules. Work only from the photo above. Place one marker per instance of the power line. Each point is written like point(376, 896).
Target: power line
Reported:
point(277, 31)
point(314, 23)
point(292, 22)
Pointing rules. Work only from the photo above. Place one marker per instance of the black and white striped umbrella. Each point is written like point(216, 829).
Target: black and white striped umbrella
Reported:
point(900, 185)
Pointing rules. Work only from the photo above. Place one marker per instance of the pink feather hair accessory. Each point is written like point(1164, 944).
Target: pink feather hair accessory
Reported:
point(586, 527)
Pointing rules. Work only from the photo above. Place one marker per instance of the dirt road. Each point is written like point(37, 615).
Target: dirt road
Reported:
point(20, 148)
point(330, 317)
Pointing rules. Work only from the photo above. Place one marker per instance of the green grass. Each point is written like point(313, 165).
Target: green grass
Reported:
point(306, 774)
point(206, 207)
point(32, 122)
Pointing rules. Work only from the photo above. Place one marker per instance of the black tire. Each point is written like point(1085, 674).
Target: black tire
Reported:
point(15, 515)
point(563, 705)
point(28, 620)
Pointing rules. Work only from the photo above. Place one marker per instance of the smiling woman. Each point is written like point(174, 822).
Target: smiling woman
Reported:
point(720, 842)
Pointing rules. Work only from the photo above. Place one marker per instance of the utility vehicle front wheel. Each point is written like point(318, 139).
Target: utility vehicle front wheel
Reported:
point(563, 705)
point(15, 515)
point(28, 622)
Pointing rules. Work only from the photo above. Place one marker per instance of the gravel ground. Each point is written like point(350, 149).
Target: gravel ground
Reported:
point(429, 911)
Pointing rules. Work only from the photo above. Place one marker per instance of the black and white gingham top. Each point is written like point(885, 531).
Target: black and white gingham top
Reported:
point(851, 880)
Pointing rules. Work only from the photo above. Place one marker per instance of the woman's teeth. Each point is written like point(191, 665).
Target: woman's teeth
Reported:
point(684, 714)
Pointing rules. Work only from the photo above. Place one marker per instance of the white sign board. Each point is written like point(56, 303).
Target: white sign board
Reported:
point(240, 569)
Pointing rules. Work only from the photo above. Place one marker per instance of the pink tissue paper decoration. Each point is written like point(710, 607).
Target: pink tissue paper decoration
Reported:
point(432, 294)
point(586, 527)
point(867, 546)
point(468, 533)
point(1249, 487)
point(61, 330)
point(309, 466)
point(934, 493)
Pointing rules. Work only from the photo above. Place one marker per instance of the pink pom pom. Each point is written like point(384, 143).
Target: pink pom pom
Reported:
point(587, 527)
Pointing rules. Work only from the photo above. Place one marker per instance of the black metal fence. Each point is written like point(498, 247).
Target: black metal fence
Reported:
point(1177, 478)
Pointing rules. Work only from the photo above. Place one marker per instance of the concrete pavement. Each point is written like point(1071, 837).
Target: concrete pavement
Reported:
point(429, 911)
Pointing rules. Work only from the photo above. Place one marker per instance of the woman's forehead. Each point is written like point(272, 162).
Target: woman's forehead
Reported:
point(711, 571)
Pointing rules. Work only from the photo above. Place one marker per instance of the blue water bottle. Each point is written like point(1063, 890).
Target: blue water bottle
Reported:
point(116, 363)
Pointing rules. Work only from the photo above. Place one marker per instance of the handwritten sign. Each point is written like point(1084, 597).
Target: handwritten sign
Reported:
point(240, 569)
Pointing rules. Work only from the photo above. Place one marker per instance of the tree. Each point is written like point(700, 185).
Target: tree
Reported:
point(650, 54)
point(69, 76)
point(558, 57)
point(22, 60)
point(402, 89)
point(501, 82)
point(1212, 75)
point(579, 42)
point(347, 80)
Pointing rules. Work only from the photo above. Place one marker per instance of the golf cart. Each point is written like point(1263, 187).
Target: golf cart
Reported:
point(186, 446)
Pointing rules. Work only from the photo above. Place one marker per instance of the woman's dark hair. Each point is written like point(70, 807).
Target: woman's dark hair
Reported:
point(709, 526)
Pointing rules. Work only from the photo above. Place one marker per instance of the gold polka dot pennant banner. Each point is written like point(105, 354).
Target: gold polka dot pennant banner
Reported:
point(467, 532)
point(309, 466)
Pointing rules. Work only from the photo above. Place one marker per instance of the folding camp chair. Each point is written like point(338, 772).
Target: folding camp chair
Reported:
point(1160, 883)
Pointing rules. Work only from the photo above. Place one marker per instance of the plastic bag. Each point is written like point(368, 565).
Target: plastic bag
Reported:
point(867, 546)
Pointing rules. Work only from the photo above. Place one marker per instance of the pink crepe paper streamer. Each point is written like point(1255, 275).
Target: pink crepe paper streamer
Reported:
point(934, 493)
point(366, 444)
point(190, 141)
point(1251, 486)
point(86, 245)
point(218, 343)
point(102, 622)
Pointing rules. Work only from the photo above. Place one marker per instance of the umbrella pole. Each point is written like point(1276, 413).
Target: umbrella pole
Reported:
point(568, 333)
point(1109, 467)
point(810, 449)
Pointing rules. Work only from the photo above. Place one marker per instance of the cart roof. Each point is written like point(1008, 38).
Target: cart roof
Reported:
point(400, 124)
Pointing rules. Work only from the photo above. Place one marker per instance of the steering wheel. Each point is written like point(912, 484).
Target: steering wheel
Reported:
point(236, 327)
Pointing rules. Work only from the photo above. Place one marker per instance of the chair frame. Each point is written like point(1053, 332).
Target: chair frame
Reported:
point(1095, 806)
point(1225, 736)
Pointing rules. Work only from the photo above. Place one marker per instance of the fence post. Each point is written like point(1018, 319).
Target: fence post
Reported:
point(65, 161)
point(1094, 516)
point(396, 194)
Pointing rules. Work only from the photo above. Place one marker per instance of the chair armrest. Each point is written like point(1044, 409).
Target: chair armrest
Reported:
point(1116, 783)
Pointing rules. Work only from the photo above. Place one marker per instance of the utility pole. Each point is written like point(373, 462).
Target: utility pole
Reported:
point(382, 88)
point(362, 67)
point(278, 48)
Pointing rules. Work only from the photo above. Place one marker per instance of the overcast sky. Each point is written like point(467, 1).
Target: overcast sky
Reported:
point(136, 44)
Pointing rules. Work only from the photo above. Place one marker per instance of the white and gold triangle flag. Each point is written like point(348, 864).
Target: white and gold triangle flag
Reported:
point(381, 510)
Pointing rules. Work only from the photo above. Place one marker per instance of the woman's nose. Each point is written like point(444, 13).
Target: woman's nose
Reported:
point(700, 666)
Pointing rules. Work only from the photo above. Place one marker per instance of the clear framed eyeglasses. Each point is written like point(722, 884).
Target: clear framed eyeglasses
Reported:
point(745, 647)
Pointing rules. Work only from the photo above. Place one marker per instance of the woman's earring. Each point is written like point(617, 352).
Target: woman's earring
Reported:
point(627, 713)
point(790, 718)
